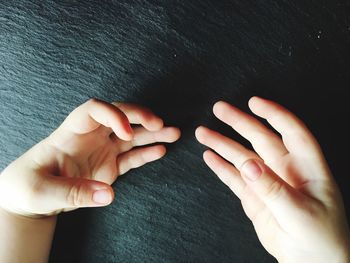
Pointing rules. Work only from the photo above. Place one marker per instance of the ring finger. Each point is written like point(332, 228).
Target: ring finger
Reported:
point(229, 149)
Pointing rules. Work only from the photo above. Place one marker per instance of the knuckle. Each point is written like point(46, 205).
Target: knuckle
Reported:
point(75, 195)
point(143, 116)
point(93, 101)
point(274, 191)
point(117, 104)
point(266, 138)
point(140, 161)
point(90, 103)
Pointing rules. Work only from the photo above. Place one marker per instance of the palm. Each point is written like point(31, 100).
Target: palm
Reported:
point(92, 155)
point(272, 232)
point(282, 207)
point(92, 147)
point(94, 151)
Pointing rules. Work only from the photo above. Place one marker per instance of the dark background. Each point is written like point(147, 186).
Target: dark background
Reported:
point(178, 58)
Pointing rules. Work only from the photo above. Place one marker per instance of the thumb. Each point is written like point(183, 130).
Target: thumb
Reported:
point(67, 193)
point(276, 194)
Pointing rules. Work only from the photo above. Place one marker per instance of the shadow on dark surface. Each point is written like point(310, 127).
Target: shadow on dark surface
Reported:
point(320, 98)
point(180, 98)
point(178, 58)
point(184, 98)
point(70, 228)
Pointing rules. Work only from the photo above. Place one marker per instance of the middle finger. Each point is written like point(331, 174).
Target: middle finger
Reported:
point(143, 137)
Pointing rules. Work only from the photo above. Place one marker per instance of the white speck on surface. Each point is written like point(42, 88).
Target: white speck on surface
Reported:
point(280, 48)
point(319, 34)
point(175, 55)
point(290, 51)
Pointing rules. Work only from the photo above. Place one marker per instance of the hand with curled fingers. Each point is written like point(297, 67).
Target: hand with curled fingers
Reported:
point(285, 185)
point(75, 166)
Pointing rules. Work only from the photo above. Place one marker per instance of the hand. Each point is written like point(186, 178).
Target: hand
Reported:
point(75, 166)
point(285, 185)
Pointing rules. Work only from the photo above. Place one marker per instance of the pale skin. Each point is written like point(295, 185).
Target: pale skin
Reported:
point(285, 185)
point(72, 168)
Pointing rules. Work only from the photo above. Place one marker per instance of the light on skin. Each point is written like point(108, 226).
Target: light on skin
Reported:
point(284, 184)
point(72, 168)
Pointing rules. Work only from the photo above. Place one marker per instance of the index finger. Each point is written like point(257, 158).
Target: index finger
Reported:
point(296, 136)
point(94, 113)
point(140, 115)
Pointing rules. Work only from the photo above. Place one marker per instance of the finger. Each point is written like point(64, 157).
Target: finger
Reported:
point(282, 200)
point(144, 137)
point(90, 115)
point(252, 204)
point(166, 134)
point(62, 193)
point(227, 173)
point(227, 148)
point(265, 142)
point(140, 115)
point(138, 157)
point(296, 136)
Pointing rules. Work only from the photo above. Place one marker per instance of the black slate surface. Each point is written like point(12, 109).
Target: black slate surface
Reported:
point(178, 58)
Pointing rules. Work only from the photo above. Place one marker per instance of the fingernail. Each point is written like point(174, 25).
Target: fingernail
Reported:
point(251, 170)
point(102, 197)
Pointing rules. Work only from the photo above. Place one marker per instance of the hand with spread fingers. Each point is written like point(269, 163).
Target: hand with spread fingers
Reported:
point(285, 186)
point(75, 166)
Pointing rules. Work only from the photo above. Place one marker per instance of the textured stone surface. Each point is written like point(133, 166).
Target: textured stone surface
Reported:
point(177, 57)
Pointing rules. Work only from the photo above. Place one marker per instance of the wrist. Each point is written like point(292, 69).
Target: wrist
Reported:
point(25, 239)
point(341, 255)
point(27, 219)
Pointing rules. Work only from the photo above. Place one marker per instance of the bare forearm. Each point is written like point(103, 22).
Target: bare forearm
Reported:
point(25, 239)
